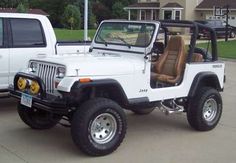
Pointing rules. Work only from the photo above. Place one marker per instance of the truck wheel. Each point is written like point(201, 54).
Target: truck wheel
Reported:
point(142, 111)
point(98, 127)
point(37, 119)
point(205, 109)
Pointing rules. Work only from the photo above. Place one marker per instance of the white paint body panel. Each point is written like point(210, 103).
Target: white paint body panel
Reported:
point(72, 49)
point(4, 68)
point(130, 73)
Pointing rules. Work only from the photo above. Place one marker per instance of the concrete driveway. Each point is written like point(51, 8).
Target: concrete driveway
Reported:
point(151, 138)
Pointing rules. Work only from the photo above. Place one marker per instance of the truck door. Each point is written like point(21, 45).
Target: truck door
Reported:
point(4, 58)
point(28, 42)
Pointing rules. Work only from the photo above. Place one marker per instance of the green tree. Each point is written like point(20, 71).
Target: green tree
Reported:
point(101, 12)
point(54, 8)
point(107, 9)
point(8, 3)
point(25, 3)
point(91, 17)
point(118, 11)
point(71, 17)
point(21, 8)
point(92, 21)
point(98, 9)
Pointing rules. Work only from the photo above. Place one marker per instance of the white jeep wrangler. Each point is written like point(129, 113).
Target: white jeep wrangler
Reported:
point(128, 67)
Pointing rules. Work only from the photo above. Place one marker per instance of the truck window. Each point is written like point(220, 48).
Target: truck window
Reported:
point(1, 33)
point(27, 33)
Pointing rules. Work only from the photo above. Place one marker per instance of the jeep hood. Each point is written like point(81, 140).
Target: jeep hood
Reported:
point(96, 65)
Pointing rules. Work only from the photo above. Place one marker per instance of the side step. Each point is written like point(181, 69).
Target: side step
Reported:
point(176, 109)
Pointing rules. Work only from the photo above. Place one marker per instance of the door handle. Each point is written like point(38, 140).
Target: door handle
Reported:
point(0, 56)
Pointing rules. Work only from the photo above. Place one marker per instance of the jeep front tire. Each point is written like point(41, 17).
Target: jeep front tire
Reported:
point(205, 109)
point(98, 127)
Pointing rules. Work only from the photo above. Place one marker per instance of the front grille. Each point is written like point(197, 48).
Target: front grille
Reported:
point(47, 73)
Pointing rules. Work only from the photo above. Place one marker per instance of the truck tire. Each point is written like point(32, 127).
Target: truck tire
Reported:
point(98, 127)
point(142, 111)
point(205, 109)
point(37, 119)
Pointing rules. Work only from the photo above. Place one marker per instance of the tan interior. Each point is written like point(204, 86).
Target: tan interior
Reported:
point(170, 65)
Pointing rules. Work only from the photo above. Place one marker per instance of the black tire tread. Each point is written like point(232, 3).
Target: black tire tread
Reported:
point(194, 112)
point(25, 117)
point(79, 118)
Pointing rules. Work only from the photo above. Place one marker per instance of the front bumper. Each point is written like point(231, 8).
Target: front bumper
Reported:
point(45, 101)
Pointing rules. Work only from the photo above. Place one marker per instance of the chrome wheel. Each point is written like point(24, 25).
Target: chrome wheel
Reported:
point(210, 110)
point(103, 128)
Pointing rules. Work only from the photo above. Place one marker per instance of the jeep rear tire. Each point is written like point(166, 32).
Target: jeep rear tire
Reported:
point(205, 109)
point(37, 119)
point(98, 127)
point(142, 111)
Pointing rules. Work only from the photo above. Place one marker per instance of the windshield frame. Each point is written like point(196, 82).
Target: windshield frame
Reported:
point(128, 23)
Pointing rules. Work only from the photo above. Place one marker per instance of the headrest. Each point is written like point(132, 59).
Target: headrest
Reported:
point(175, 43)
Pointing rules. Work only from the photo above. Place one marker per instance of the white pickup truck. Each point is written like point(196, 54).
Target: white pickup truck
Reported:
point(27, 36)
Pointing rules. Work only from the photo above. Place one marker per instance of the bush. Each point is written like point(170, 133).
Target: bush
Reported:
point(21, 8)
point(71, 17)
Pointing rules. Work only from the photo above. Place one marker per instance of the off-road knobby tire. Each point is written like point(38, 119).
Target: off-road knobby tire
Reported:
point(37, 119)
point(82, 121)
point(142, 111)
point(195, 109)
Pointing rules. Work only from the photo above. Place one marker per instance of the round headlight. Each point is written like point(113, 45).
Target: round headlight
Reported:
point(21, 83)
point(34, 87)
point(61, 72)
point(33, 66)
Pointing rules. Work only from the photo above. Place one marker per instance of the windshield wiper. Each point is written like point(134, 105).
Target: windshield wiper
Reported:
point(126, 43)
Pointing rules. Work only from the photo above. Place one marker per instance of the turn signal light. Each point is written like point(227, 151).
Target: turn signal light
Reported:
point(34, 87)
point(85, 80)
point(21, 83)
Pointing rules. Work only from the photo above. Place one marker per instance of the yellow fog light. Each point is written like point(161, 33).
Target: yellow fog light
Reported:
point(34, 87)
point(21, 83)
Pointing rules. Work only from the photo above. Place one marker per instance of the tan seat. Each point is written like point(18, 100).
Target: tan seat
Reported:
point(143, 39)
point(171, 64)
point(197, 57)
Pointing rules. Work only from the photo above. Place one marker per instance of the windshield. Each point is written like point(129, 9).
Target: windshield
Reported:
point(125, 33)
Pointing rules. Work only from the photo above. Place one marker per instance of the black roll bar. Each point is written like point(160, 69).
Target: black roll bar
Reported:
point(195, 30)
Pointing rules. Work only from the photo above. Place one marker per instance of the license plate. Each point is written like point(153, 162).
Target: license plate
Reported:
point(26, 100)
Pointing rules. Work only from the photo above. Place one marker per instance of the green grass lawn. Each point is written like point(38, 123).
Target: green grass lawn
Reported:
point(72, 35)
point(225, 49)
